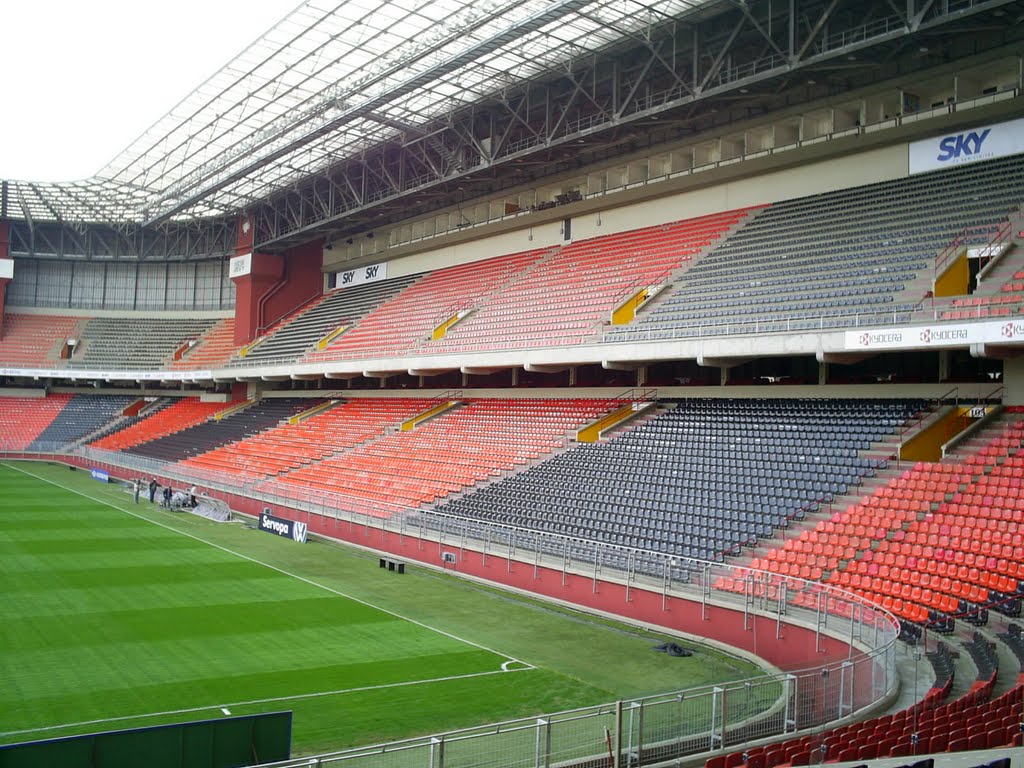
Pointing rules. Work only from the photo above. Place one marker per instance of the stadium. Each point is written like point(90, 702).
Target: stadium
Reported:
point(622, 383)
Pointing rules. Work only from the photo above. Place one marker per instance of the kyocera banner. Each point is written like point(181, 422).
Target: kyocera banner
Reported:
point(938, 335)
point(967, 146)
point(290, 529)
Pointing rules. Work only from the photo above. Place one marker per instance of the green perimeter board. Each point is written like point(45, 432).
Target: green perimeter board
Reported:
point(107, 617)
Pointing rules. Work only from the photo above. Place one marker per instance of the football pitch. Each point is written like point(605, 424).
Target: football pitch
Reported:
point(116, 615)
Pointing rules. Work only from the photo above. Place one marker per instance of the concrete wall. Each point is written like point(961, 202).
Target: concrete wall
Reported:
point(1013, 381)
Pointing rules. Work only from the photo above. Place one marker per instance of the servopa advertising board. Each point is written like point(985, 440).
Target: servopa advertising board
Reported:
point(290, 529)
point(968, 146)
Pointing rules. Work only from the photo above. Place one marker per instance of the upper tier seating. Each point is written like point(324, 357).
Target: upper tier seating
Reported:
point(405, 323)
point(212, 349)
point(81, 416)
point(298, 333)
point(22, 419)
point(818, 261)
point(699, 480)
point(566, 296)
point(210, 434)
point(288, 446)
point(165, 421)
point(35, 341)
point(146, 343)
point(455, 449)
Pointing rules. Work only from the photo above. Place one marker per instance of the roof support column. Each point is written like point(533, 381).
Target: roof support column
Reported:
point(6, 265)
point(254, 275)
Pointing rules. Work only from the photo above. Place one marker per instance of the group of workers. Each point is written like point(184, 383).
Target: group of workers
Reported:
point(166, 496)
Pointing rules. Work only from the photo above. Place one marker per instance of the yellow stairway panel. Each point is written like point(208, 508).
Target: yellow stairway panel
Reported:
point(626, 311)
point(410, 424)
point(325, 340)
point(442, 329)
point(927, 444)
point(251, 346)
point(232, 409)
point(955, 278)
point(312, 412)
point(592, 432)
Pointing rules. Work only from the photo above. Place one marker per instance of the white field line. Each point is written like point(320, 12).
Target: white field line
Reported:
point(272, 567)
point(296, 697)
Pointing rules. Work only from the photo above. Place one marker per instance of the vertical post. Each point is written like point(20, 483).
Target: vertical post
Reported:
point(846, 679)
point(789, 716)
point(565, 561)
point(436, 752)
point(666, 582)
point(629, 575)
point(597, 564)
point(783, 597)
point(617, 754)
point(717, 728)
point(542, 748)
point(705, 590)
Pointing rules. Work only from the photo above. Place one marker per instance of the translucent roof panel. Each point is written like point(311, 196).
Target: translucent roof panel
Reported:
point(336, 76)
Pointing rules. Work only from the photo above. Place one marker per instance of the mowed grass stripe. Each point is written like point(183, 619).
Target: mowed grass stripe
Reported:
point(114, 647)
point(170, 624)
point(227, 686)
point(578, 660)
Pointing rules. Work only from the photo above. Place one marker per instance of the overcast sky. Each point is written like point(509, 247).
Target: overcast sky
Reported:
point(85, 79)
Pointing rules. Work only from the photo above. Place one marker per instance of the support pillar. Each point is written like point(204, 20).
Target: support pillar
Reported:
point(254, 275)
point(6, 266)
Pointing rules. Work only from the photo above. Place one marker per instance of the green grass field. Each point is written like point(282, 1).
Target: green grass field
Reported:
point(116, 615)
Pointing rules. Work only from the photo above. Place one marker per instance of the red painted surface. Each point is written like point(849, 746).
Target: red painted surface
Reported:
point(301, 282)
point(245, 236)
point(275, 286)
point(267, 270)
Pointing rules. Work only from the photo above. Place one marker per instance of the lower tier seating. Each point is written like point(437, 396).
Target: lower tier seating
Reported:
point(700, 480)
point(476, 440)
point(22, 419)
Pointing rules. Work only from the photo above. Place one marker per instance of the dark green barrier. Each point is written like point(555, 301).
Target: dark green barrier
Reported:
point(228, 742)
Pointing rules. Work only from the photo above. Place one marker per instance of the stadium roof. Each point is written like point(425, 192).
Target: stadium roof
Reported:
point(324, 84)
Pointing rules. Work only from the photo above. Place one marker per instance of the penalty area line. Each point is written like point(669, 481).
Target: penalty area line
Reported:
point(282, 571)
point(224, 707)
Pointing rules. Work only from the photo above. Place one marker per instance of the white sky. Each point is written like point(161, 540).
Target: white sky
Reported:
point(85, 79)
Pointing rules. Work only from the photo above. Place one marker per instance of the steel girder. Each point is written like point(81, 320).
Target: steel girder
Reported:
point(667, 83)
point(196, 240)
